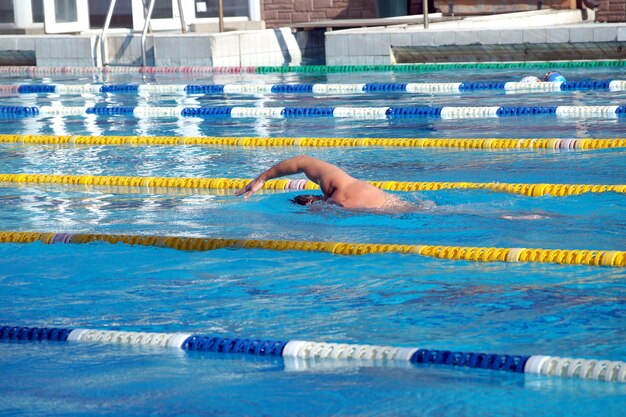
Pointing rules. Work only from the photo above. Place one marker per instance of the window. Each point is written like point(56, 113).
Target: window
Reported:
point(37, 10)
point(122, 14)
point(65, 11)
point(209, 8)
point(6, 11)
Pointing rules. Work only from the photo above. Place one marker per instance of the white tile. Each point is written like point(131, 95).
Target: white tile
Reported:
point(512, 36)
point(344, 47)
point(580, 34)
point(466, 37)
point(534, 35)
point(445, 37)
point(381, 60)
point(357, 45)
point(46, 48)
point(557, 35)
point(400, 39)
point(422, 38)
point(605, 34)
point(488, 37)
point(381, 43)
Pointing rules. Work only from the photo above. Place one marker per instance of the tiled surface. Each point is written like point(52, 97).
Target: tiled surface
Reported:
point(511, 37)
point(65, 51)
point(557, 35)
point(126, 50)
point(351, 47)
point(581, 34)
point(534, 35)
point(466, 37)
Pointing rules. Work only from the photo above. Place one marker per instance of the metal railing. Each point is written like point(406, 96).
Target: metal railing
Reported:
point(144, 32)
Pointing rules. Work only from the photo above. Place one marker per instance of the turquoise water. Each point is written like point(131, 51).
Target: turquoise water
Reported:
point(393, 299)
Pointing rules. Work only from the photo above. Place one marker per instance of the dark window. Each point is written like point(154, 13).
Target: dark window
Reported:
point(37, 9)
point(6, 11)
point(208, 8)
point(163, 9)
point(122, 14)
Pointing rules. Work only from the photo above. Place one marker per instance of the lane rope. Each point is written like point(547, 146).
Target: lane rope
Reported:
point(313, 69)
point(315, 89)
point(360, 113)
point(461, 143)
point(464, 253)
point(529, 190)
point(297, 352)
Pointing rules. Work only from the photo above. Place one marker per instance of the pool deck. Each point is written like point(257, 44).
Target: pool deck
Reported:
point(527, 36)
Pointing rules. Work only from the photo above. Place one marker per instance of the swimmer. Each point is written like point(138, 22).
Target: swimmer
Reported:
point(337, 186)
point(551, 76)
point(530, 79)
point(554, 77)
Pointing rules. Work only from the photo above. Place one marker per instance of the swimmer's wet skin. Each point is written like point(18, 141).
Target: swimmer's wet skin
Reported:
point(337, 186)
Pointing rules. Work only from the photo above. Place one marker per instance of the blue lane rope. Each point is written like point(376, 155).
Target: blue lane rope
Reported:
point(310, 88)
point(19, 110)
point(610, 371)
point(227, 345)
point(307, 112)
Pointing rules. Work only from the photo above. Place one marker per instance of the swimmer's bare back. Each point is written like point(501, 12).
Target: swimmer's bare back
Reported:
point(337, 186)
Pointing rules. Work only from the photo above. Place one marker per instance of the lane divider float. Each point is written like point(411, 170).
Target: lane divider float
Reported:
point(315, 89)
point(363, 354)
point(463, 253)
point(530, 190)
point(313, 69)
point(460, 143)
point(361, 113)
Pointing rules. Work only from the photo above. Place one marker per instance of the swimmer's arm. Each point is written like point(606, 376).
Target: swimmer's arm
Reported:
point(320, 172)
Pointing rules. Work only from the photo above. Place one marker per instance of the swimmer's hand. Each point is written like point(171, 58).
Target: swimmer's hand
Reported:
point(251, 188)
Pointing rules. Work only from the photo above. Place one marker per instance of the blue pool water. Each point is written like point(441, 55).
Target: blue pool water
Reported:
point(389, 299)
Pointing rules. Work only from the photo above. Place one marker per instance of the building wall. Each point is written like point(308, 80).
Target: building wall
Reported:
point(278, 13)
point(611, 11)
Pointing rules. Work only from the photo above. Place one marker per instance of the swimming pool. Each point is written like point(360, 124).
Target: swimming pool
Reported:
point(383, 299)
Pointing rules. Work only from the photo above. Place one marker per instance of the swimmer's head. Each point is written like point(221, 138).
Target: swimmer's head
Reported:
point(530, 79)
point(307, 199)
point(554, 77)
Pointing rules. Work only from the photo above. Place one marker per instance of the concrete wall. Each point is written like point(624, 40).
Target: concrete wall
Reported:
point(560, 35)
point(238, 48)
point(477, 7)
point(49, 50)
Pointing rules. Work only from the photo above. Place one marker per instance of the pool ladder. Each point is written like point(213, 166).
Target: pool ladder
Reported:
point(147, 17)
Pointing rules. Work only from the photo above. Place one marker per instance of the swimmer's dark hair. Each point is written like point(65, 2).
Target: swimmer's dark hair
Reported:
point(307, 199)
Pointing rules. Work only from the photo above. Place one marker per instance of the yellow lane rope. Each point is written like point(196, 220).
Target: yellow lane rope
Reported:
point(479, 254)
point(461, 143)
point(531, 190)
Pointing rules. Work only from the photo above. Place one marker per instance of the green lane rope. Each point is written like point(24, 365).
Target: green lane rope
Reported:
point(336, 69)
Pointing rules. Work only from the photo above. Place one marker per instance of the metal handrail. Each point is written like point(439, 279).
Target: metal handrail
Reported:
point(144, 32)
point(103, 34)
point(146, 25)
point(183, 25)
